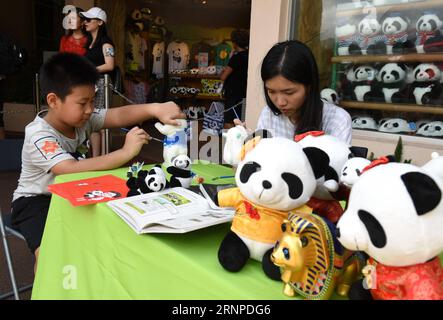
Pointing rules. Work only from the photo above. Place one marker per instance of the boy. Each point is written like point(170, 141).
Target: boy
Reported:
point(56, 141)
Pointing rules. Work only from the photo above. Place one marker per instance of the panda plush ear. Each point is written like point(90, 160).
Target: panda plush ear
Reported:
point(319, 161)
point(424, 192)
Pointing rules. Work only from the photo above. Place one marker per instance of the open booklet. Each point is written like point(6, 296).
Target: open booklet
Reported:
point(176, 210)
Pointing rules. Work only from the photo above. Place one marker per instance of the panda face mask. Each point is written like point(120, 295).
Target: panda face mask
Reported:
point(395, 215)
point(276, 174)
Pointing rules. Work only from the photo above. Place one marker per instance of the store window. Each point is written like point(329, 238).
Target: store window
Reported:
point(384, 58)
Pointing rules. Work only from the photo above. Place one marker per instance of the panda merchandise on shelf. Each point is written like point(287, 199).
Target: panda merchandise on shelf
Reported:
point(330, 95)
point(175, 142)
point(361, 82)
point(364, 123)
point(426, 88)
point(181, 173)
point(429, 37)
point(391, 81)
point(432, 129)
point(347, 37)
point(403, 238)
point(397, 125)
point(395, 27)
point(421, 123)
point(146, 181)
point(369, 30)
point(274, 177)
point(325, 200)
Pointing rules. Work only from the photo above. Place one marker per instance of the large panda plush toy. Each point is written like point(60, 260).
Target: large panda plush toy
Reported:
point(395, 215)
point(369, 30)
point(361, 81)
point(395, 27)
point(391, 81)
point(275, 177)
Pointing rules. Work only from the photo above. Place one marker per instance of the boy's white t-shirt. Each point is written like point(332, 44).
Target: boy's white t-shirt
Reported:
point(44, 147)
point(158, 56)
point(179, 55)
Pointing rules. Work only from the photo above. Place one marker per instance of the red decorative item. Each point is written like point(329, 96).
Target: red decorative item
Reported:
point(300, 137)
point(251, 211)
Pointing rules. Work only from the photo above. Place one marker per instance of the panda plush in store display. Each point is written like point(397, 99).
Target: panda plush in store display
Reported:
point(364, 123)
point(397, 126)
point(275, 176)
point(369, 30)
point(391, 81)
point(361, 81)
point(429, 37)
point(432, 129)
point(146, 181)
point(181, 174)
point(403, 237)
point(347, 37)
point(352, 170)
point(395, 28)
point(330, 95)
point(426, 88)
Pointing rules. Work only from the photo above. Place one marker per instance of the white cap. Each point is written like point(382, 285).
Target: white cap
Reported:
point(95, 13)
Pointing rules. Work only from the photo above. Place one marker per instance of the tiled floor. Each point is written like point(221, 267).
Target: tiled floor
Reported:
point(23, 259)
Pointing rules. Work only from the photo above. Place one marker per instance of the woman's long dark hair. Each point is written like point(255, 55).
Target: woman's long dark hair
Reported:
point(294, 61)
point(102, 37)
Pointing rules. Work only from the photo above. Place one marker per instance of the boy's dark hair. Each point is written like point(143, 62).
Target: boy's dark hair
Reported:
point(294, 61)
point(65, 71)
point(240, 38)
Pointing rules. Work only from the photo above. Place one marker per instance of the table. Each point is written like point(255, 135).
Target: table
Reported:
point(91, 253)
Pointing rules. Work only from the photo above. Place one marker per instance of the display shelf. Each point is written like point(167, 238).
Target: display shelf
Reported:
point(414, 57)
point(437, 110)
point(198, 97)
point(195, 76)
point(416, 5)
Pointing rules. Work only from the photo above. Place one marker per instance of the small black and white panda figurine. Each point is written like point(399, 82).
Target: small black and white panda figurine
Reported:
point(153, 180)
point(395, 215)
point(180, 171)
point(426, 88)
point(364, 123)
point(396, 37)
point(391, 81)
point(361, 79)
point(397, 125)
point(330, 95)
point(428, 36)
point(432, 129)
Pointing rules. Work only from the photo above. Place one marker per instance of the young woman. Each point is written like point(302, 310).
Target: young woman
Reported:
point(235, 76)
point(75, 41)
point(101, 52)
point(291, 82)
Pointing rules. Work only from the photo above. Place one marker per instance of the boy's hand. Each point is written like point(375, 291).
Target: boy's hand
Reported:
point(135, 139)
point(168, 112)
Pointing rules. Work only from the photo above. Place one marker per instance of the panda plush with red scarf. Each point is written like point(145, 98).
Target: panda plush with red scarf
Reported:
point(328, 192)
point(395, 215)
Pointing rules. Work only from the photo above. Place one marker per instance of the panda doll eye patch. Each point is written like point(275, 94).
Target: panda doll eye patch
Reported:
point(248, 170)
point(375, 230)
point(295, 185)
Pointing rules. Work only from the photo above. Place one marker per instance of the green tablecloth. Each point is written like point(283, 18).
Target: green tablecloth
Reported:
point(110, 261)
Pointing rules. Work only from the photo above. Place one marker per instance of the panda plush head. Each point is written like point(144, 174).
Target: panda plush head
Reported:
point(395, 215)
point(155, 180)
point(432, 129)
point(330, 95)
point(427, 72)
point(364, 123)
point(369, 27)
point(337, 153)
point(397, 126)
point(392, 73)
point(345, 28)
point(429, 22)
point(361, 73)
point(395, 23)
point(277, 174)
point(352, 170)
point(182, 162)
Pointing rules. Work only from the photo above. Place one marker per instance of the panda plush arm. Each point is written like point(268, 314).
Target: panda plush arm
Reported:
point(179, 173)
